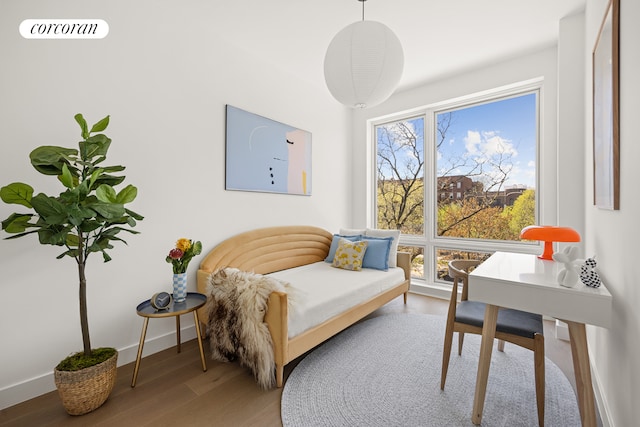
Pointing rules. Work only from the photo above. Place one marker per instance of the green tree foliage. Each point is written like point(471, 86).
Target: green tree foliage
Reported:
point(401, 205)
point(522, 213)
point(470, 220)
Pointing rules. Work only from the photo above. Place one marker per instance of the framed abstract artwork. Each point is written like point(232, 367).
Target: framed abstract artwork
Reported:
point(265, 155)
point(606, 123)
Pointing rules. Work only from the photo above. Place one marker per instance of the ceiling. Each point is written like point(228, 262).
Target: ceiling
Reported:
point(438, 37)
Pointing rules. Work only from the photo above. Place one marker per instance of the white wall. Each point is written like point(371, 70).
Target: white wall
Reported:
point(571, 96)
point(613, 235)
point(164, 75)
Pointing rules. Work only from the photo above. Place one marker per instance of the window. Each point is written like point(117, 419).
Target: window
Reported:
point(443, 256)
point(400, 175)
point(486, 148)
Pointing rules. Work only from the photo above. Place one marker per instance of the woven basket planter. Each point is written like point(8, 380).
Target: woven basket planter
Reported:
point(85, 390)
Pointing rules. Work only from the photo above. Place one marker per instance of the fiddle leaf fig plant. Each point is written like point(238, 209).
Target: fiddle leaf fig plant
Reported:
point(87, 216)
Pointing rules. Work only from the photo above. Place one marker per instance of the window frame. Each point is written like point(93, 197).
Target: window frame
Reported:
point(429, 240)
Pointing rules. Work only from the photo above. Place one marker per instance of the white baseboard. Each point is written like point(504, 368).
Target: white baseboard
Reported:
point(18, 393)
point(601, 400)
point(562, 330)
point(42, 384)
point(421, 288)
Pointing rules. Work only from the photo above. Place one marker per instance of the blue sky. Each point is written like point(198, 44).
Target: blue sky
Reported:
point(479, 132)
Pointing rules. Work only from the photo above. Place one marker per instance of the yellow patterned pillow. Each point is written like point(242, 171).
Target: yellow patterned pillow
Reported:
point(349, 254)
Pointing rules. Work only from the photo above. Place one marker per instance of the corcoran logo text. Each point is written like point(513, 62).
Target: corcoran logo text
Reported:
point(64, 29)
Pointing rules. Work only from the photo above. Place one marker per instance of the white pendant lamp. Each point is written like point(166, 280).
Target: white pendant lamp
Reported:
point(363, 64)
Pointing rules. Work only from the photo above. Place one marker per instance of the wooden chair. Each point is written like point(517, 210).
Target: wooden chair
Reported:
point(514, 326)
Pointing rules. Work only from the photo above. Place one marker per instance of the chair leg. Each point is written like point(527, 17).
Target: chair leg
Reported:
point(501, 345)
point(446, 353)
point(538, 357)
point(460, 342)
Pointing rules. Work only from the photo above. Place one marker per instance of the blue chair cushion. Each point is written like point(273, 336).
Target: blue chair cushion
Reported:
point(510, 321)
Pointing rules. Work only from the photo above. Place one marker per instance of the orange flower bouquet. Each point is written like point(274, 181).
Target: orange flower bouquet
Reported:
point(181, 255)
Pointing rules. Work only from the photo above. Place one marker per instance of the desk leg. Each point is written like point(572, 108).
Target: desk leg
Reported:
point(139, 356)
point(580, 355)
point(197, 322)
point(178, 332)
point(486, 347)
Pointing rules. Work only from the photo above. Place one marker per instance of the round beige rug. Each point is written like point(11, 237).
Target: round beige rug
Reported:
point(386, 372)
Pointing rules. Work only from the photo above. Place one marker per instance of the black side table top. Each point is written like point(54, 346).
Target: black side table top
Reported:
point(194, 301)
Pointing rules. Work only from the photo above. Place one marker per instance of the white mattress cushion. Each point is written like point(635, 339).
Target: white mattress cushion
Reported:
point(321, 291)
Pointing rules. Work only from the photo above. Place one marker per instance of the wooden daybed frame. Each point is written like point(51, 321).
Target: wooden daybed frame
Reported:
point(267, 250)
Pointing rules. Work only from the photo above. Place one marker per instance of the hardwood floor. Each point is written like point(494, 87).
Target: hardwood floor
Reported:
point(172, 390)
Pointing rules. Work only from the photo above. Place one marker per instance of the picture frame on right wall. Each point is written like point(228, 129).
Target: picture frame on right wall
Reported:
point(606, 111)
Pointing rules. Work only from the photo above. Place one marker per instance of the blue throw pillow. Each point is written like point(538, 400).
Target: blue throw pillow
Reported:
point(334, 245)
point(377, 254)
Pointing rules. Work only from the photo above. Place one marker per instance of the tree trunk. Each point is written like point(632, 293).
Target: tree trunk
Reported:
point(84, 323)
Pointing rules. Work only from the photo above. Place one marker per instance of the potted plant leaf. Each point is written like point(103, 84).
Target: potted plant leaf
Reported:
point(84, 219)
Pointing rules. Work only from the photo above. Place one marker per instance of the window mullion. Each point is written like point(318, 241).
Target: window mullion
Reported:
point(430, 206)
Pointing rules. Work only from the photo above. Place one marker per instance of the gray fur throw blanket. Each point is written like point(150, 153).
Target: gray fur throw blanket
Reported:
point(236, 305)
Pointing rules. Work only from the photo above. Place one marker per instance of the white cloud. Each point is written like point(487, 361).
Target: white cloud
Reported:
point(472, 141)
point(487, 144)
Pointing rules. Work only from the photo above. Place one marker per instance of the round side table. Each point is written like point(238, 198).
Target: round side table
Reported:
point(193, 302)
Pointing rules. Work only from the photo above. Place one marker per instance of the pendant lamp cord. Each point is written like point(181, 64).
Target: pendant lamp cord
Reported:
point(362, 1)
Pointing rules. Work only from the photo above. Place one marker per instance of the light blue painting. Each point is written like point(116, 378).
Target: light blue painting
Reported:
point(265, 155)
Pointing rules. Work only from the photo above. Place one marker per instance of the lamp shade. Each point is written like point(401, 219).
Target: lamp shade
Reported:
point(549, 234)
point(363, 64)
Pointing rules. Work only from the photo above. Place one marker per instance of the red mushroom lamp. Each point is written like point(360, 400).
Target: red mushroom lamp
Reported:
point(549, 234)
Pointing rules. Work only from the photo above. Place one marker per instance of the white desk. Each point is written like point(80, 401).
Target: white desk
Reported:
point(527, 283)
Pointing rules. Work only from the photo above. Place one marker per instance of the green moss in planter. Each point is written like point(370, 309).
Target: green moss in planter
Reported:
point(79, 361)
